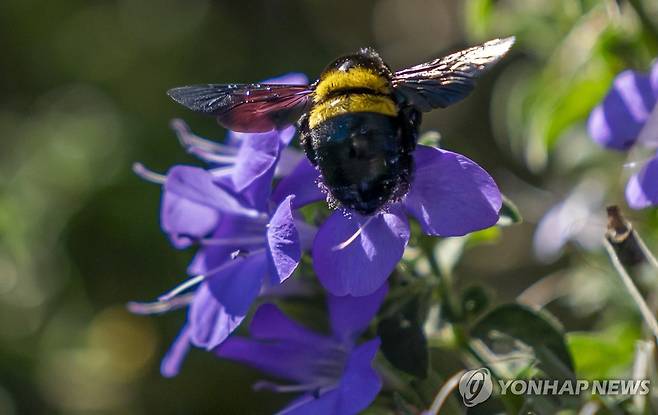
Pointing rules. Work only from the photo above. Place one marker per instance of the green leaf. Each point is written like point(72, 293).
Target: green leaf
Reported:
point(574, 105)
point(509, 213)
point(606, 354)
point(515, 329)
point(485, 236)
point(430, 138)
point(403, 340)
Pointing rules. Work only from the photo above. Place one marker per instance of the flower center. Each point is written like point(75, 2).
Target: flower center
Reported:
point(324, 373)
point(330, 367)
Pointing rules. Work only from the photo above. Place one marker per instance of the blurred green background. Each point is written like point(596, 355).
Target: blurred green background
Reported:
point(83, 84)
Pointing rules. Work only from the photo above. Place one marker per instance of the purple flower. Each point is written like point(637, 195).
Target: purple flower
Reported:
point(578, 218)
point(450, 195)
point(332, 373)
point(195, 198)
point(642, 187)
point(249, 239)
point(247, 250)
point(628, 116)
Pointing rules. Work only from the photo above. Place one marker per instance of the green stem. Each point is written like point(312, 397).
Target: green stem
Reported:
point(648, 316)
point(444, 284)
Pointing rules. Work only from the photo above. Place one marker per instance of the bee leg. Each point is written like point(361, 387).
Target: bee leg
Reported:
point(410, 119)
point(305, 139)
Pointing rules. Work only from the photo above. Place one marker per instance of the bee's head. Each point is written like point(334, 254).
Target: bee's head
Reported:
point(366, 58)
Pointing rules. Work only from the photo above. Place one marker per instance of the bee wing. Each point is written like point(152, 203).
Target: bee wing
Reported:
point(248, 108)
point(447, 80)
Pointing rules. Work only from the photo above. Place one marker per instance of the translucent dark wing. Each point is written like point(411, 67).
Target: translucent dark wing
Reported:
point(445, 81)
point(247, 108)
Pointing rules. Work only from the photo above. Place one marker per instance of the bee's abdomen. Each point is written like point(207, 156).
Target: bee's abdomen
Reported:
point(360, 158)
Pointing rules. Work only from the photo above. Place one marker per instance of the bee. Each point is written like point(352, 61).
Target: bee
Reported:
point(358, 122)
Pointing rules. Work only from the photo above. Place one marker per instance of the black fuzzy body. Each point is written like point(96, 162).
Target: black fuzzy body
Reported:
point(365, 158)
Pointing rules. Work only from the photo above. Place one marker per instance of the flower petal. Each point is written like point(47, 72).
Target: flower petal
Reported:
point(257, 155)
point(578, 218)
point(653, 78)
point(198, 264)
point(197, 185)
point(350, 316)
point(306, 232)
point(254, 167)
point(361, 267)
point(303, 183)
point(617, 121)
point(286, 360)
point(450, 194)
point(360, 383)
point(173, 359)
point(359, 386)
point(230, 228)
point(236, 287)
point(283, 241)
point(642, 187)
point(269, 323)
point(185, 221)
point(210, 323)
point(289, 158)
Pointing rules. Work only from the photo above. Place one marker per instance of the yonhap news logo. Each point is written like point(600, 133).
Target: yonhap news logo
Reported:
point(475, 386)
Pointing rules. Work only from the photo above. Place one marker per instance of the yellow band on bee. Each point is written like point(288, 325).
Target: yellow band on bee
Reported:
point(357, 77)
point(344, 104)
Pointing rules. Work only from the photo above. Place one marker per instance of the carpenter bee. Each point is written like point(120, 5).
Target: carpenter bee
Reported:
point(358, 122)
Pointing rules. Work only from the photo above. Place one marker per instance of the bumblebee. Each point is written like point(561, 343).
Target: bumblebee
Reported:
point(358, 122)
